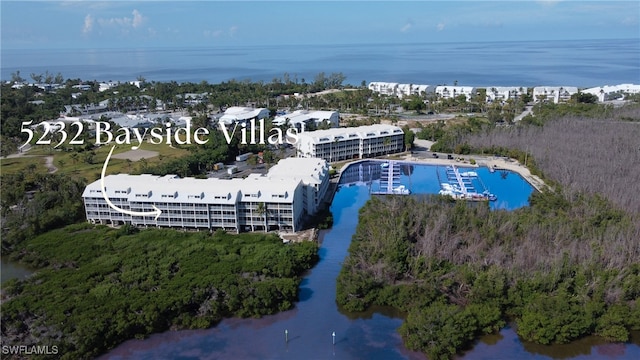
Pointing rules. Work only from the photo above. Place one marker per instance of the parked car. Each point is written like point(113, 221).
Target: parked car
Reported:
point(435, 156)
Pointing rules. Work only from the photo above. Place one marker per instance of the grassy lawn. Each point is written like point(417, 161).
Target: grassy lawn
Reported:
point(28, 164)
point(68, 163)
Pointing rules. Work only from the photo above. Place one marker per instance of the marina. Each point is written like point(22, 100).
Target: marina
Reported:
point(366, 335)
point(393, 177)
point(390, 180)
point(464, 185)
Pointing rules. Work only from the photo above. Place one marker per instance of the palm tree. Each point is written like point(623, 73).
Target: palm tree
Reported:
point(37, 78)
point(386, 143)
point(335, 141)
point(261, 210)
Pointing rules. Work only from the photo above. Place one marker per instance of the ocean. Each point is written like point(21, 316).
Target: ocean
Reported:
point(581, 63)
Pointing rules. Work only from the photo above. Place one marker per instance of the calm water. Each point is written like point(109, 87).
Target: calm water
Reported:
point(582, 63)
point(370, 335)
point(12, 270)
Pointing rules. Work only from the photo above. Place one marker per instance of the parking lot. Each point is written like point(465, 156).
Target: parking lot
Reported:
point(244, 169)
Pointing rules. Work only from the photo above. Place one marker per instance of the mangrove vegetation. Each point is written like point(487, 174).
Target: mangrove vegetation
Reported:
point(564, 267)
point(96, 287)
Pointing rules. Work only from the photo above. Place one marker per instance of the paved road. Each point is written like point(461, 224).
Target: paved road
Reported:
point(528, 110)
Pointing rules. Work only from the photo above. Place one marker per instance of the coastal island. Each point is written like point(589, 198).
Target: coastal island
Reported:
point(562, 268)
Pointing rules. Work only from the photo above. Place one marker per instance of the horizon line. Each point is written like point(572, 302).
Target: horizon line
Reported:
point(3, 48)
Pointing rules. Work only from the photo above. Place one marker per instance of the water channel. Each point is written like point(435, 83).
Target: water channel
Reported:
point(311, 324)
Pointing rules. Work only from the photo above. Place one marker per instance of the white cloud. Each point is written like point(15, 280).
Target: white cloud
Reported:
point(125, 23)
point(407, 26)
point(88, 24)
point(138, 19)
point(212, 33)
point(440, 26)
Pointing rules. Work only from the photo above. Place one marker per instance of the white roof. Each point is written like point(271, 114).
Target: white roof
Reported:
point(173, 189)
point(362, 132)
point(503, 89)
point(309, 170)
point(458, 89)
point(382, 83)
point(236, 113)
point(168, 188)
point(260, 188)
point(629, 88)
point(553, 89)
point(130, 121)
point(300, 116)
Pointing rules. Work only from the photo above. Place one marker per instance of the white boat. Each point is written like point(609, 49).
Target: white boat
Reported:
point(401, 190)
point(470, 174)
point(384, 165)
point(490, 196)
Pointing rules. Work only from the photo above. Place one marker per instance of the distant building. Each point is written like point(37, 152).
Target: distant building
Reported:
point(82, 87)
point(504, 93)
point(555, 94)
point(384, 88)
point(350, 143)
point(194, 99)
point(405, 90)
point(107, 85)
point(611, 92)
point(400, 90)
point(84, 109)
point(276, 201)
point(452, 92)
point(242, 114)
point(131, 121)
point(298, 117)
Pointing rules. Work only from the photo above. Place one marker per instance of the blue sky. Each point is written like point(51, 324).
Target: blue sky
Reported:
point(127, 24)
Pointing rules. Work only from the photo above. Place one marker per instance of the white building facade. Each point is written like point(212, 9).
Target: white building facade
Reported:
point(504, 93)
point(610, 92)
point(314, 175)
point(384, 88)
point(452, 92)
point(555, 94)
point(350, 143)
point(400, 90)
point(279, 200)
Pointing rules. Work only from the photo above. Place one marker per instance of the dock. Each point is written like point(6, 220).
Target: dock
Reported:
point(460, 186)
point(390, 180)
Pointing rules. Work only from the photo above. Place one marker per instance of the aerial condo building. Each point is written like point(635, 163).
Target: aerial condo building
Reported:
point(350, 143)
point(280, 200)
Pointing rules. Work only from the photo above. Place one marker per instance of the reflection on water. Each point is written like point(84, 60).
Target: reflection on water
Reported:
point(367, 335)
point(12, 270)
point(507, 345)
